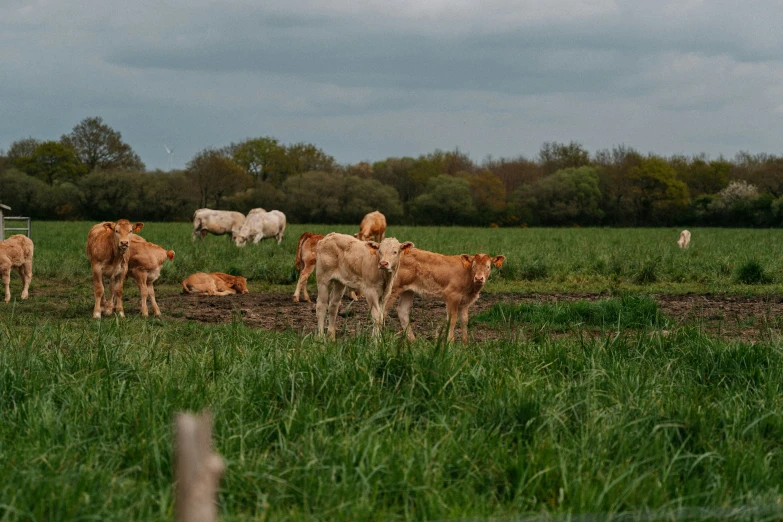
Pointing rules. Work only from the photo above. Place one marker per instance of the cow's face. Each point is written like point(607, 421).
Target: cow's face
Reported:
point(480, 266)
point(240, 285)
point(240, 240)
point(123, 231)
point(389, 251)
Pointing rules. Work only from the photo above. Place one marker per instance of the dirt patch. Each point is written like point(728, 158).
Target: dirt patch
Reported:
point(745, 317)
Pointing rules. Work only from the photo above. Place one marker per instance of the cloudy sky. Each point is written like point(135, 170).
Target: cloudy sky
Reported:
point(377, 78)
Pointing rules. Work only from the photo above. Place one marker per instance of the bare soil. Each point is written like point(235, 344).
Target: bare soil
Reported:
point(749, 318)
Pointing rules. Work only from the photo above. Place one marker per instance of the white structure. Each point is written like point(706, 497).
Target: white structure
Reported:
point(3, 229)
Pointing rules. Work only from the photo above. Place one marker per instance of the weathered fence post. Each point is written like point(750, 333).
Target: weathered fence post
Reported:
point(196, 468)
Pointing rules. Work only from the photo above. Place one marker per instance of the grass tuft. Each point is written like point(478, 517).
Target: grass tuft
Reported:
point(751, 272)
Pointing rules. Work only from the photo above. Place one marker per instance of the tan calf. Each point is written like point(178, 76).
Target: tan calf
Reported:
point(216, 283)
point(305, 263)
point(108, 245)
point(367, 266)
point(373, 226)
point(455, 279)
point(16, 252)
point(144, 264)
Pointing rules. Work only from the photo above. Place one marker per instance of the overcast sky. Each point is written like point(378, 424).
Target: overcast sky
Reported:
point(377, 78)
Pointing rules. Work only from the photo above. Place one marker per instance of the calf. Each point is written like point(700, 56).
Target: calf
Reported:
point(261, 225)
point(305, 263)
point(16, 252)
point(108, 245)
point(455, 279)
point(216, 283)
point(144, 264)
point(367, 266)
point(685, 239)
point(373, 226)
point(218, 222)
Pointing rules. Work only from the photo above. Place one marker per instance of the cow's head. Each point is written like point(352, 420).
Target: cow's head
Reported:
point(240, 240)
point(389, 251)
point(123, 231)
point(239, 284)
point(480, 266)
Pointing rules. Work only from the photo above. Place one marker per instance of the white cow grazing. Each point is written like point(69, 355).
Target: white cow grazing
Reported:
point(685, 239)
point(261, 225)
point(343, 260)
point(216, 222)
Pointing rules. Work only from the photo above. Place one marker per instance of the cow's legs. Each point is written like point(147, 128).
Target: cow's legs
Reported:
point(7, 282)
point(26, 273)
point(116, 292)
point(463, 321)
point(403, 312)
point(322, 303)
point(141, 279)
point(203, 234)
point(377, 313)
point(335, 296)
point(151, 289)
point(451, 316)
point(98, 291)
point(301, 285)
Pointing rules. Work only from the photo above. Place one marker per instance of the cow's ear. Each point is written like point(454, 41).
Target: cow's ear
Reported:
point(356, 235)
point(373, 246)
point(137, 227)
point(466, 260)
point(498, 261)
point(109, 226)
point(406, 247)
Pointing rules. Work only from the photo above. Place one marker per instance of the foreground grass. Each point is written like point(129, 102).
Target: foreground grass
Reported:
point(628, 421)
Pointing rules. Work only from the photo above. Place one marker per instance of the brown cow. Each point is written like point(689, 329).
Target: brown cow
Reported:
point(305, 263)
point(108, 245)
point(367, 266)
point(16, 252)
point(455, 279)
point(373, 226)
point(144, 264)
point(216, 283)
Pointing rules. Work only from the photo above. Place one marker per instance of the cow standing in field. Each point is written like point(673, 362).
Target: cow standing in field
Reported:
point(216, 283)
point(367, 266)
point(455, 279)
point(108, 250)
point(217, 222)
point(261, 225)
point(145, 261)
point(16, 252)
point(373, 226)
point(305, 263)
point(685, 239)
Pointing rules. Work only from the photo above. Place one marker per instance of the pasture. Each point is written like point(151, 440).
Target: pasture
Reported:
point(595, 384)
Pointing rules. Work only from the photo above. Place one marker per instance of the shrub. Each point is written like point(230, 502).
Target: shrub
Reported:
point(751, 272)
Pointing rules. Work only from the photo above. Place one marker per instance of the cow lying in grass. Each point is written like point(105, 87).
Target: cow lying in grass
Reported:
point(216, 283)
point(16, 252)
point(458, 280)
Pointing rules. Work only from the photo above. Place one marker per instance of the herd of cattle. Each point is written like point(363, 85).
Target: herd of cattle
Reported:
point(380, 269)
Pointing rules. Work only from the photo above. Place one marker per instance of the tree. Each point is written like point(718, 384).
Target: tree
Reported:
point(614, 174)
point(214, 176)
point(264, 158)
point(555, 156)
point(447, 201)
point(314, 197)
point(657, 192)
point(489, 194)
point(514, 173)
point(362, 196)
point(52, 161)
point(23, 148)
point(305, 157)
point(567, 197)
point(99, 146)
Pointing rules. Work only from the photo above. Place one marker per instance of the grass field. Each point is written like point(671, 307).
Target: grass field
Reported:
point(607, 407)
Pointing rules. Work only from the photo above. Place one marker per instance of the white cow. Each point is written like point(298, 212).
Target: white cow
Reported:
point(216, 222)
point(685, 239)
point(261, 225)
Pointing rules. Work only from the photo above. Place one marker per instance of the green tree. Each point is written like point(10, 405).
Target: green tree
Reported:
point(555, 156)
point(447, 201)
point(489, 194)
point(99, 146)
point(567, 197)
point(362, 195)
point(23, 148)
point(314, 197)
point(658, 194)
point(306, 157)
point(214, 176)
point(52, 162)
point(614, 173)
point(264, 158)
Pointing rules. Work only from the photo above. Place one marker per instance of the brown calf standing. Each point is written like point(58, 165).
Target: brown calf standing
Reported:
point(108, 250)
point(373, 226)
point(144, 264)
point(16, 252)
point(305, 263)
point(455, 279)
point(216, 283)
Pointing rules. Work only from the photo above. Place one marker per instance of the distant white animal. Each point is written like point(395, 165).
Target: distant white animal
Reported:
point(216, 222)
point(261, 225)
point(685, 239)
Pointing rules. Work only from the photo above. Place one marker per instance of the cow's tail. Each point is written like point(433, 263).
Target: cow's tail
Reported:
point(185, 287)
point(304, 237)
point(170, 255)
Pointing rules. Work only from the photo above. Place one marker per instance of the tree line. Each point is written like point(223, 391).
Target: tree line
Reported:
point(91, 173)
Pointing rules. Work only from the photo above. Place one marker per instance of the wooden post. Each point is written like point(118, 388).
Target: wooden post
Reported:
point(196, 468)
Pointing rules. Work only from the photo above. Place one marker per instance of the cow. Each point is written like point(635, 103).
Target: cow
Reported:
point(373, 226)
point(144, 264)
point(455, 279)
point(108, 250)
point(216, 283)
point(16, 252)
point(261, 225)
point(305, 263)
point(368, 266)
point(685, 239)
point(217, 222)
